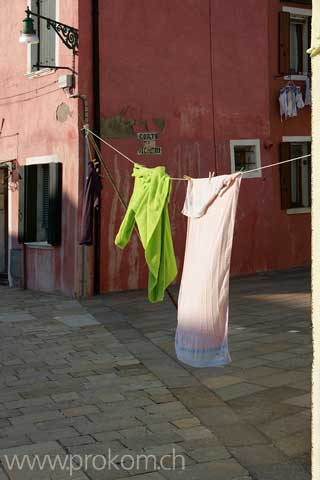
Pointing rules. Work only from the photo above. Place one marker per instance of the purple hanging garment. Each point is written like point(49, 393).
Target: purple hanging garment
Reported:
point(90, 203)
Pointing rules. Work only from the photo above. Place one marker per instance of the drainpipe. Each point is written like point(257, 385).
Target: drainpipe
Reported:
point(96, 128)
point(83, 98)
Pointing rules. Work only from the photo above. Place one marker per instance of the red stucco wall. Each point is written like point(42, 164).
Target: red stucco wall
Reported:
point(156, 62)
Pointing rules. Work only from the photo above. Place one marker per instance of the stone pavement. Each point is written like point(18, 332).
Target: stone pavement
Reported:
point(100, 376)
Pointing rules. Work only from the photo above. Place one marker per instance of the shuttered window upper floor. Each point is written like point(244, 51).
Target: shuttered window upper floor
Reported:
point(43, 55)
point(294, 40)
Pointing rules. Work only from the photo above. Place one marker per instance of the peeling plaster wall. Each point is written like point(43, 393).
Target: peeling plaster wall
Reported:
point(155, 62)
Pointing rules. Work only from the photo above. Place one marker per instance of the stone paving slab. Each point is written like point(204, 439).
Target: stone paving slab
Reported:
point(77, 320)
point(15, 317)
point(84, 377)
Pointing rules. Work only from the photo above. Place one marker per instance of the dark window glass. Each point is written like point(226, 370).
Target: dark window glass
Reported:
point(245, 157)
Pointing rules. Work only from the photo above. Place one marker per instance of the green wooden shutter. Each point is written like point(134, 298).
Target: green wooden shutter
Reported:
point(285, 176)
point(21, 220)
point(30, 202)
point(45, 197)
point(284, 42)
point(47, 37)
point(27, 221)
point(55, 203)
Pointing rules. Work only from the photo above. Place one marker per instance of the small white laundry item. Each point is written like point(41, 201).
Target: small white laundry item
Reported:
point(291, 100)
point(283, 104)
point(196, 206)
point(299, 98)
point(292, 106)
point(307, 98)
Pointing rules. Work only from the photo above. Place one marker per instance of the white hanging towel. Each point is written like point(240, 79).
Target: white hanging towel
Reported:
point(202, 331)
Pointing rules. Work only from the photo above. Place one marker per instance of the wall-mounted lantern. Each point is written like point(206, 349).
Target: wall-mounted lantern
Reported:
point(68, 35)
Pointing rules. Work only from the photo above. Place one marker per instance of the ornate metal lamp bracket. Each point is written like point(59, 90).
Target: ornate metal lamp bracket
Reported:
point(68, 35)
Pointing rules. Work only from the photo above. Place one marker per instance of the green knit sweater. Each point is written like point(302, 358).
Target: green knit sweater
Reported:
point(148, 207)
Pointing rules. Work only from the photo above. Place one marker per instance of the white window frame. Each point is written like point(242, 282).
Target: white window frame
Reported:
point(300, 14)
point(41, 160)
point(251, 143)
point(297, 139)
point(43, 71)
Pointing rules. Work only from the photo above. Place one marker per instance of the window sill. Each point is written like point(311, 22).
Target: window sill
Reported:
point(296, 77)
point(40, 73)
point(292, 211)
point(248, 175)
point(41, 245)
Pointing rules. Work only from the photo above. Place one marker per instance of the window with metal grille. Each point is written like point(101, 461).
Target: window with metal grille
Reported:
point(245, 155)
point(43, 55)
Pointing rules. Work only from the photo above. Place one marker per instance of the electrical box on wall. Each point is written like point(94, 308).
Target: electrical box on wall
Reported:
point(66, 81)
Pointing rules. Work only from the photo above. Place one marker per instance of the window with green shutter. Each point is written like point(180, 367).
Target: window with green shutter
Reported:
point(40, 198)
point(43, 55)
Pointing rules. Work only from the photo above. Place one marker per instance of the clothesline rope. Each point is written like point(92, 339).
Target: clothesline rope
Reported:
point(278, 163)
point(187, 178)
point(109, 145)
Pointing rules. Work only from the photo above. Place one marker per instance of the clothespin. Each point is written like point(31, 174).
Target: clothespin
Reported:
point(211, 175)
point(186, 177)
point(96, 164)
